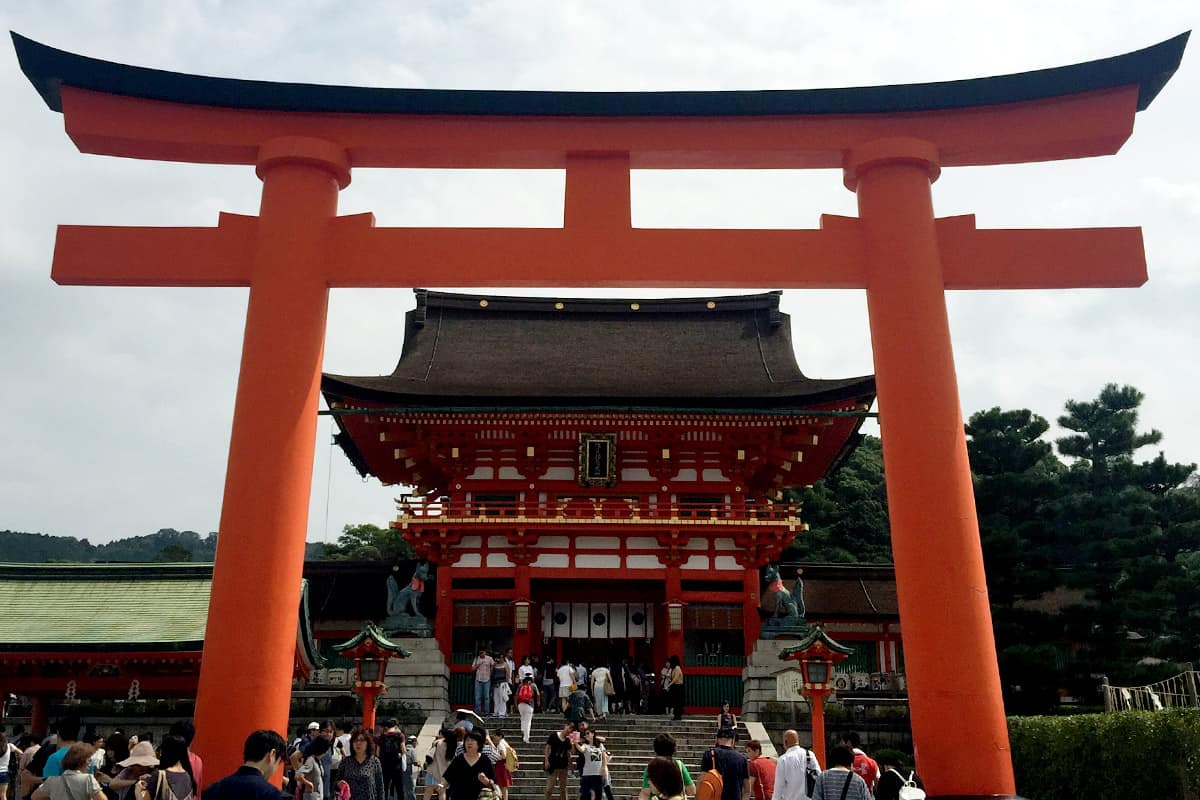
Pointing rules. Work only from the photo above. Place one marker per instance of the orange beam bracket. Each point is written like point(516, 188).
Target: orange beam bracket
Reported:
point(1073, 258)
point(829, 258)
point(88, 255)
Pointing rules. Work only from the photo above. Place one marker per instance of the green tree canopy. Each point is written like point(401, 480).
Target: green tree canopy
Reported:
point(369, 542)
point(846, 512)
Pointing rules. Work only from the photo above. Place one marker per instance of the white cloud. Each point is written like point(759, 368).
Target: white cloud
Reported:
point(119, 400)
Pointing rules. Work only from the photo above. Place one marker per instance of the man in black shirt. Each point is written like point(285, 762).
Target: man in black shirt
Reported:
point(556, 758)
point(263, 752)
point(735, 771)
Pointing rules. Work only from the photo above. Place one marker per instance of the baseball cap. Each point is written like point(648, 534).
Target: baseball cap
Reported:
point(314, 726)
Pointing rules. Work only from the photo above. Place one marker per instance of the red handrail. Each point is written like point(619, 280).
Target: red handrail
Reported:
point(586, 507)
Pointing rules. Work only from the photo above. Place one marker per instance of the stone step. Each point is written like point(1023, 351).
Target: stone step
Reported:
point(629, 738)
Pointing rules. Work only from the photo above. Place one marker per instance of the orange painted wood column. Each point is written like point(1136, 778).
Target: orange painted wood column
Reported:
point(522, 589)
point(250, 641)
point(953, 678)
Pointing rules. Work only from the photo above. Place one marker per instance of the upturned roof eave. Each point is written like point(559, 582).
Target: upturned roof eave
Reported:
point(49, 69)
point(338, 388)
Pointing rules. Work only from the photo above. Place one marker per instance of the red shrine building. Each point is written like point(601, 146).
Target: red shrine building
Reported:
point(597, 478)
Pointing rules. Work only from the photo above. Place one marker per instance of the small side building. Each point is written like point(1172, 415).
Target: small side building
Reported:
point(127, 632)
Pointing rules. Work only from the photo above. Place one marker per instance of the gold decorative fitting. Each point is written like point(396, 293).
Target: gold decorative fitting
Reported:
point(666, 452)
point(710, 304)
point(634, 306)
point(454, 452)
point(741, 455)
point(483, 303)
point(816, 440)
point(558, 306)
point(529, 451)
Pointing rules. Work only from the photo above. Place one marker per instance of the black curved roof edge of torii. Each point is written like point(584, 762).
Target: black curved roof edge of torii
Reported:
point(49, 69)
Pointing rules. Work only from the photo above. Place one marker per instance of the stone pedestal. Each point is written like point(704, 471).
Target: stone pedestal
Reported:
point(760, 677)
point(422, 679)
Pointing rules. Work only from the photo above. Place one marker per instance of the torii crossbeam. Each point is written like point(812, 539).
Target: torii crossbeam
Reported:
point(890, 143)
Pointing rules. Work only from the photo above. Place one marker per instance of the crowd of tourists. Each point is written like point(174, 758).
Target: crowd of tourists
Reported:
point(539, 684)
point(81, 764)
point(334, 761)
point(467, 762)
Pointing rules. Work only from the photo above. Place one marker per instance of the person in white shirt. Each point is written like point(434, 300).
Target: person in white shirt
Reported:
point(791, 781)
point(599, 681)
point(566, 677)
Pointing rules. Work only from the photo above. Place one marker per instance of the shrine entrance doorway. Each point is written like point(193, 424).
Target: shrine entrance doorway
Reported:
point(609, 652)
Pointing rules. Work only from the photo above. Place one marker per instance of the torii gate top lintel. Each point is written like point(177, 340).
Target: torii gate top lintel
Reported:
point(187, 117)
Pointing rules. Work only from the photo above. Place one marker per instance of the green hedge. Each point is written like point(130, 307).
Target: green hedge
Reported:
point(1116, 756)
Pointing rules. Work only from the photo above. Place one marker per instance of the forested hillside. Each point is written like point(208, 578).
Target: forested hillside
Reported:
point(166, 545)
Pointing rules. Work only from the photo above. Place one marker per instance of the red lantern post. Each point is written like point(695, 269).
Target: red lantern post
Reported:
point(370, 649)
point(817, 653)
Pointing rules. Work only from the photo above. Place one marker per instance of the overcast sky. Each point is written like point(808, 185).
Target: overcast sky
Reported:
point(118, 401)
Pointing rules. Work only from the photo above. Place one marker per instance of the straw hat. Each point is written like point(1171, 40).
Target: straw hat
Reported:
point(142, 755)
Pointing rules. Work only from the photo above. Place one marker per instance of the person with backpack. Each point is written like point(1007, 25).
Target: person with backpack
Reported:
point(527, 701)
point(393, 759)
point(796, 771)
point(840, 781)
point(726, 773)
point(172, 779)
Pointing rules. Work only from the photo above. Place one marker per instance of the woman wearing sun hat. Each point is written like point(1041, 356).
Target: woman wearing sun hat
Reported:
point(141, 760)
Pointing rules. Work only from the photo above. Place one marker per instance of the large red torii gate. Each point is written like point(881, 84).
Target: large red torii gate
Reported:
point(889, 142)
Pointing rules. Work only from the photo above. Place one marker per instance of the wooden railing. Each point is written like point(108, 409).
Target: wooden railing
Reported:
point(591, 509)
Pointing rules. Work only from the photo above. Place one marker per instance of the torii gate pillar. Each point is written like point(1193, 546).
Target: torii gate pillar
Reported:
point(264, 517)
point(949, 651)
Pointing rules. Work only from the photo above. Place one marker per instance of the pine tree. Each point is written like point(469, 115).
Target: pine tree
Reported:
point(1127, 529)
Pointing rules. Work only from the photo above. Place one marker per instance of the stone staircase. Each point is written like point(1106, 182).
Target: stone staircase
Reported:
point(628, 737)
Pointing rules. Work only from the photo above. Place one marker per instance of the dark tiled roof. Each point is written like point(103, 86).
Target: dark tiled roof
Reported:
point(834, 591)
point(709, 352)
point(50, 69)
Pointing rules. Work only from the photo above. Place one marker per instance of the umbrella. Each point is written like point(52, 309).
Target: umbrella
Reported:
point(471, 716)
